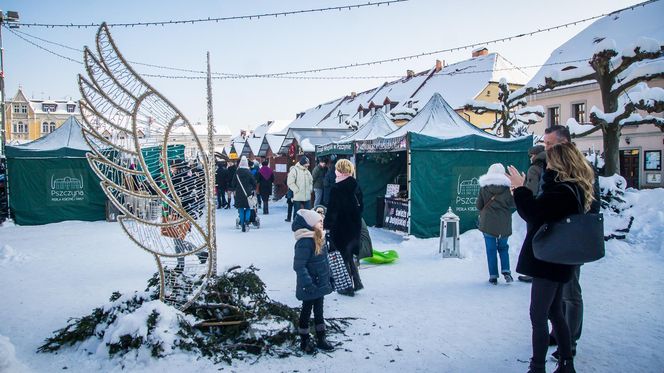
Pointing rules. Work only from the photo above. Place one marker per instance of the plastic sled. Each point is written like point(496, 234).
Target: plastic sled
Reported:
point(382, 257)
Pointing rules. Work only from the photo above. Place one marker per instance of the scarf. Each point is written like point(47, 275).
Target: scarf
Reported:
point(266, 172)
point(340, 177)
point(303, 233)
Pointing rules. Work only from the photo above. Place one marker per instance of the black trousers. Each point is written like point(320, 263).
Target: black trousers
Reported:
point(289, 201)
point(305, 313)
point(265, 198)
point(546, 303)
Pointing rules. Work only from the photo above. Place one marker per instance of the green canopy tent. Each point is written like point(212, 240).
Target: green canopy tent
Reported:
point(50, 179)
point(441, 156)
point(378, 125)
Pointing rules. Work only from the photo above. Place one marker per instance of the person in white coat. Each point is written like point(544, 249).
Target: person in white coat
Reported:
point(301, 183)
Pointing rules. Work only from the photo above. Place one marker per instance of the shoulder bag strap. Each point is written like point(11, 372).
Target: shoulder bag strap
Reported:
point(241, 186)
point(488, 203)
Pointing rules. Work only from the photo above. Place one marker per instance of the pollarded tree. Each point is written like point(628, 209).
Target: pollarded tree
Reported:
point(621, 77)
point(512, 114)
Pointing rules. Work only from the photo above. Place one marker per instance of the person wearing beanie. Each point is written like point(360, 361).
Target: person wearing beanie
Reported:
point(244, 184)
point(300, 182)
point(344, 219)
point(313, 276)
point(318, 174)
point(495, 204)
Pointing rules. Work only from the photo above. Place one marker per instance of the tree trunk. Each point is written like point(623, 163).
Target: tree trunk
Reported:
point(611, 141)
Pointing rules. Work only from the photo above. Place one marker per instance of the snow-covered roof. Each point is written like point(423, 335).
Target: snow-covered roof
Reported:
point(277, 126)
point(68, 135)
point(624, 27)
point(308, 138)
point(463, 81)
point(379, 125)
point(255, 144)
point(438, 119)
point(270, 142)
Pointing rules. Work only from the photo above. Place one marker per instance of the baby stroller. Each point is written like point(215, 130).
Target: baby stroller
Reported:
point(254, 219)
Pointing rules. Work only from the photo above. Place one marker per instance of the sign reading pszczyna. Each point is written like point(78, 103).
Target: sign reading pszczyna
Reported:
point(66, 188)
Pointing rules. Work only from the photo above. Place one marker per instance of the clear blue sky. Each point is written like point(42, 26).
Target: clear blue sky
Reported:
point(280, 44)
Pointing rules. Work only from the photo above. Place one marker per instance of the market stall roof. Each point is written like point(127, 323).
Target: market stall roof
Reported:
point(254, 145)
point(438, 119)
point(379, 125)
point(270, 142)
point(66, 141)
point(308, 138)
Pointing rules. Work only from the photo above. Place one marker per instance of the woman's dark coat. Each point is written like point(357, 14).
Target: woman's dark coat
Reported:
point(265, 185)
point(313, 271)
point(555, 202)
point(344, 217)
point(328, 183)
point(496, 205)
point(229, 176)
point(248, 182)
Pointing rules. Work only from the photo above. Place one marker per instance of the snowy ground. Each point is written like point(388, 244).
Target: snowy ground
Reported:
point(422, 314)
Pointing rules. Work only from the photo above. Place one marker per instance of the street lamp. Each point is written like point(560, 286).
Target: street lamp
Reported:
point(10, 18)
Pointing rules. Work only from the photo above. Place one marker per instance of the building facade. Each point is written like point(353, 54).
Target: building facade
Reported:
point(29, 119)
point(641, 147)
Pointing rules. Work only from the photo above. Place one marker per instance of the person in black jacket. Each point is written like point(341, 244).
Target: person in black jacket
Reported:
point(565, 165)
point(221, 185)
point(344, 219)
point(265, 178)
point(229, 176)
point(328, 181)
point(244, 184)
point(313, 276)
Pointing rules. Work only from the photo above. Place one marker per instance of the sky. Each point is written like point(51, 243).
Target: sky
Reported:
point(277, 44)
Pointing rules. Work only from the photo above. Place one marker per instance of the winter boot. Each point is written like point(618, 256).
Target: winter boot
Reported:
point(525, 279)
point(493, 281)
point(565, 366)
point(306, 345)
point(534, 367)
point(244, 227)
point(508, 277)
point(349, 292)
point(320, 339)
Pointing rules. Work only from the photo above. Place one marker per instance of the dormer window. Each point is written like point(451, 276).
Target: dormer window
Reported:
point(71, 108)
point(49, 108)
point(410, 104)
point(24, 108)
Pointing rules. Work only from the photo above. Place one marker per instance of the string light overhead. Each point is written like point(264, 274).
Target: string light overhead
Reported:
point(215, 19)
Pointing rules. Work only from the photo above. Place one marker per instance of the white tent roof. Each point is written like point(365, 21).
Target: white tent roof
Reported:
point(438, 119)
point(69, 135)
point(379, 125)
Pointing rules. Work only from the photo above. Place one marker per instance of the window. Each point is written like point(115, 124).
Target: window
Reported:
point(45, 127)
point(17, 108)
point(579, 112)
point(24, 108)
point(51, 127)
point(554, 115)
point(20, 127)
point(49, 108)
point(71, 108)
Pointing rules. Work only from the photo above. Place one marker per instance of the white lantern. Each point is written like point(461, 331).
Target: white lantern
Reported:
point(449, 235)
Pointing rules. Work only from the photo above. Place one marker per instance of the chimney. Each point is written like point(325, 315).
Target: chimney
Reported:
point(353, 94)
point(439, 65)
point(410, 73)
point(481, 51)
point(243, 133)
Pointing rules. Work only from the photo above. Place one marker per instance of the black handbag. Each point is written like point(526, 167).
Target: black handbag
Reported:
point(573, 240)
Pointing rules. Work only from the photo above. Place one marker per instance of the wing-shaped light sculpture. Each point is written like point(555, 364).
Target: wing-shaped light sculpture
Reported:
point(162, 189)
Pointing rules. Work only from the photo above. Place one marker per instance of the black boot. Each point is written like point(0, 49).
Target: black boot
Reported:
point(534, 367)
point(320, 339)
point(565, 366)
point(244, 227)
point(306, 345)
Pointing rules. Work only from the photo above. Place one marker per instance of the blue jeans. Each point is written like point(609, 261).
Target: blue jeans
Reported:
point(500, 245)
point(300, 205)
point(245, 215)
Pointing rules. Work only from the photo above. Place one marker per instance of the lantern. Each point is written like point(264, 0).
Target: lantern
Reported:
point(449, 235)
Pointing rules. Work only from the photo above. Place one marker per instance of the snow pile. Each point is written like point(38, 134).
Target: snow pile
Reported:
point(575, 128)
point(595, 159)
point(644, 44)
point(8, 361)
point(8, 254)
point(648, 212)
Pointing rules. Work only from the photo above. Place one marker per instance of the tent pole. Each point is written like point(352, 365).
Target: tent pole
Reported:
point(408, 178)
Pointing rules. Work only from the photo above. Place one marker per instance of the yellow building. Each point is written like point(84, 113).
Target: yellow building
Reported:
point(29, 119)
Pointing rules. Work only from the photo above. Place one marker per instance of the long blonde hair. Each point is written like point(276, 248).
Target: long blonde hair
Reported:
point(572, 166)
point(319, 240)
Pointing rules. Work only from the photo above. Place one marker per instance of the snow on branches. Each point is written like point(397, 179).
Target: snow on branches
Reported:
point(622, 78)
point(512, 114)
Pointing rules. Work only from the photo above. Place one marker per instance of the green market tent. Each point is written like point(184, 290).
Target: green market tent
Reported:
point(442, 156)
point(378, 125)
point(50, 179)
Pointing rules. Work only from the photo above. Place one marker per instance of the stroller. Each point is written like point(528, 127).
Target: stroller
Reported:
point(254, 219)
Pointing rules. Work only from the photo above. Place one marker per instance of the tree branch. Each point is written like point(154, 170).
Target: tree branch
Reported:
point(550, 83)
point(632, 82)
point(639, 56)
point(592, 130)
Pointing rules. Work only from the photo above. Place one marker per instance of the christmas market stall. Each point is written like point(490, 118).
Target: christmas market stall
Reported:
point(411, 176)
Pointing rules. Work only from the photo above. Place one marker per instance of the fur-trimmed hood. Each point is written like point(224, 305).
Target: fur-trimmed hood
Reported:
point(494, 179)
